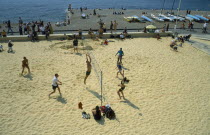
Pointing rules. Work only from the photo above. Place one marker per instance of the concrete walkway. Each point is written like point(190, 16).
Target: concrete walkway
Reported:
point(201, 46)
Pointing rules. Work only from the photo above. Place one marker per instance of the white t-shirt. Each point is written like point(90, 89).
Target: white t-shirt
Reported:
point(54, 81)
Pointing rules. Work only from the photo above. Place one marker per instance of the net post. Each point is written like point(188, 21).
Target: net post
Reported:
point(101, 88)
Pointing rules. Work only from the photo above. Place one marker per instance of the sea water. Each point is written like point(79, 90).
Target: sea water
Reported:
point(54, 10)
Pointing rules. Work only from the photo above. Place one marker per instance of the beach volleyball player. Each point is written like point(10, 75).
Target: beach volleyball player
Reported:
point(89, 67)
point(55, 84)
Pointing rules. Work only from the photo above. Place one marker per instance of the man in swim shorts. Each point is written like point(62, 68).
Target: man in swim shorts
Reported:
point(120, 54)
point(88, 67)
point(55, 83)
point(75, 44)
point(25, 65)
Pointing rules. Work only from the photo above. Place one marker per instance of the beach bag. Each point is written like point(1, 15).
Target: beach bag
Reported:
point(110, 114)
point(85, 115)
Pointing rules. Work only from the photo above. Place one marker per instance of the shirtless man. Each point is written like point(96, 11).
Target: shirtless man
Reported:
point(88, 67)
point(25, 65)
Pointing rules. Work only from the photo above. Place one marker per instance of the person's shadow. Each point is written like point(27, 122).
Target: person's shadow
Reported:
point(130, 104)
point(28, 76)
point(79, 54)
point(101, 121)
point(61, 99)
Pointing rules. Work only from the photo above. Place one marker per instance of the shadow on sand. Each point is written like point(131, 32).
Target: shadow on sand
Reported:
point(130, 104)
point(28, 76)
point(79, 54)
point(101, 121)
point(61, 99)
point(94, 93)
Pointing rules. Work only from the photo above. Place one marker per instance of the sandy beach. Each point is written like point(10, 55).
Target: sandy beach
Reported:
point(168, 92)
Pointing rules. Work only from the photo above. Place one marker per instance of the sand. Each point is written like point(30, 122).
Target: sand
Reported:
point(168, 91)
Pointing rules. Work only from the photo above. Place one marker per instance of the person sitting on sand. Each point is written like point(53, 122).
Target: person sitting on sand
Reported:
point(158, 36)
point(105, 42)
point(3, 33)
point(120, 54)
point(75, 44)
point(1, 48)
point(25, 65)
point(173, 45)
point(90, 32)
point(96, 113)
point(122, 87)
point(120, 70)
point(122, 36)
point(55, 84)
point(89, 67)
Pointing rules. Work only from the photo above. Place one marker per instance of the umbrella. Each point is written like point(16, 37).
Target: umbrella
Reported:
point(151, 27)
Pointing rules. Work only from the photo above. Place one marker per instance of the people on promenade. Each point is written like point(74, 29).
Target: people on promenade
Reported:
point(122, 87)
point(20, 29)
point(167, 27)
point(3, 33)
point(25, 65)
point(9, 27)
point(120, 54)
point(115, 25)
point(1, 48)
point(183, 26)
point(111, 26)
point(10, 45)
point(75, 44)
point(55, 84)
point(89, 67)
point(204, 28)
point(94, 12)
point(125, 32)
point(20, 21)
point(100, 31)
point(90, 32)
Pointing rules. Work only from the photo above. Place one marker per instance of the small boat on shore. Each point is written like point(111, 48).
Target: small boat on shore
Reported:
point(166, 18)
point(157, 18)
point(176, 17)
point(189, 18)
point(202, 18)
point(134, 18)
point(194, 17)
point(147, 18)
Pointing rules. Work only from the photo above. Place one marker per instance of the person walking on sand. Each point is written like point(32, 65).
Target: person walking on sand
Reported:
point(10, 44)
point(122, 87)
point(119, 66)
point(25, 65)
point(120, 54)
point(55, 84)
point(75, 44)
point(89, 67)
point(115, 25)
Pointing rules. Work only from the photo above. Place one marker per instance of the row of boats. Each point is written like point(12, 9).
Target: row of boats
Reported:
point(169, 17)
